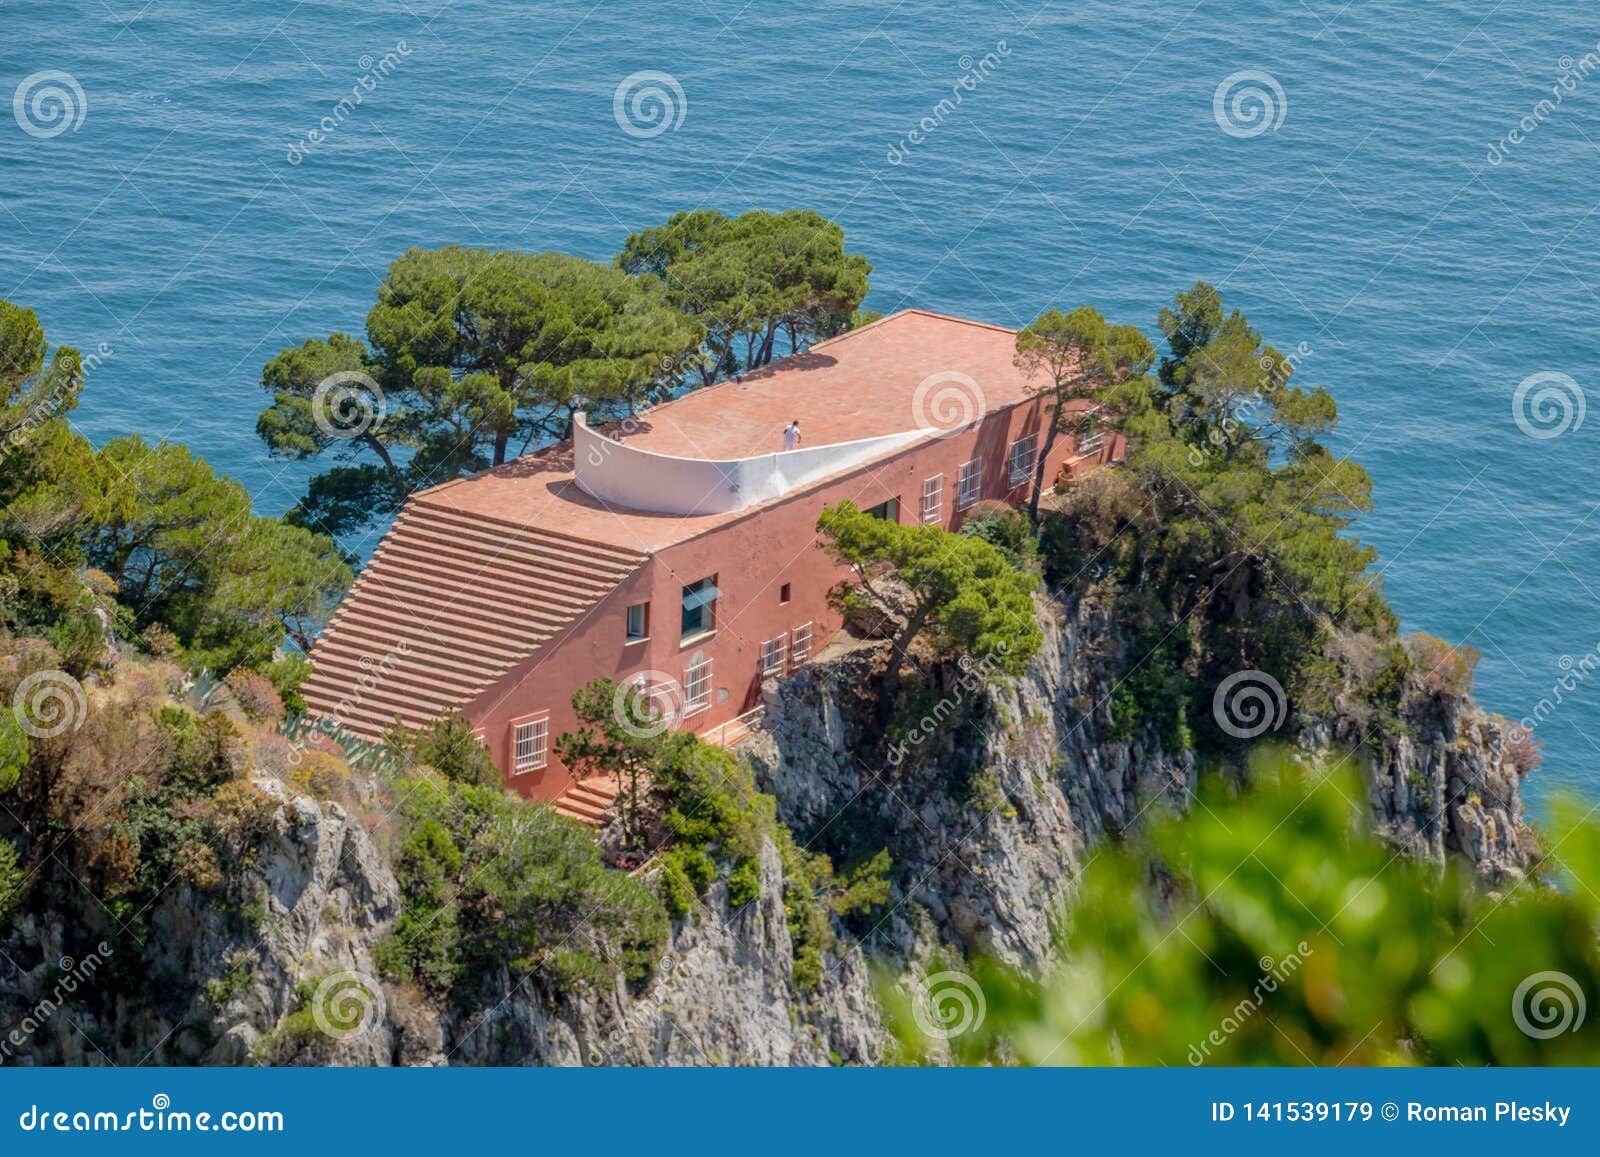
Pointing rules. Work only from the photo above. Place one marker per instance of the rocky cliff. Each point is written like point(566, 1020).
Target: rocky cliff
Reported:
point(990, 800)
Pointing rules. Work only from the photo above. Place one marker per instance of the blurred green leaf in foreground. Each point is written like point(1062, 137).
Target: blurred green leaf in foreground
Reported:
point(1270, 927)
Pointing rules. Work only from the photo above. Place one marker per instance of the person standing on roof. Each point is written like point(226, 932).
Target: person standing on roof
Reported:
point(791, 435)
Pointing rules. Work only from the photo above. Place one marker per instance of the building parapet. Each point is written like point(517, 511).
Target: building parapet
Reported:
point(667, 484)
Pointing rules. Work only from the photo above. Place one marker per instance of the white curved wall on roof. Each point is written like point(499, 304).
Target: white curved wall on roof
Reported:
point(643, 480)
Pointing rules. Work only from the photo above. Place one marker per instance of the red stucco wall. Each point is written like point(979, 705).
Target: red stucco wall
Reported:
point(751, 558)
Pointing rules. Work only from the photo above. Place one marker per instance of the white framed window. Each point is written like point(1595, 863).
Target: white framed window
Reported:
point(532, 749)
point(1022, 459)
point(697, 687)
point(933, 498)
point(774, 654)
point(1093, 435)
point(799, 646)
point(969, 487)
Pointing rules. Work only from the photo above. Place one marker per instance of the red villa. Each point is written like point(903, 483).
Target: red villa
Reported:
point(679, 550)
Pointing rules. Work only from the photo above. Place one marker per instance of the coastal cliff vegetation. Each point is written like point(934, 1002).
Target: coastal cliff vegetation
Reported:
point(164, 807)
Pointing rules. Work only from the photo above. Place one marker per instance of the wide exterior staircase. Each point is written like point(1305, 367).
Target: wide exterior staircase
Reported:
point(449, 603)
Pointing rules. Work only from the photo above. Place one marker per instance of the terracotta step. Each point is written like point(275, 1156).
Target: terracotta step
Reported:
point(481, 525)
point(487, 553)
point(339, 682)
point(420, 563)
point(355, 637)
point(587, 801)
point(475, 603)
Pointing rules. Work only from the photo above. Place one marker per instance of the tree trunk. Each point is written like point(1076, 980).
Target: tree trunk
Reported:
point(889, 689)
point(1044, 456)
point(380, 450)
point(500, 441)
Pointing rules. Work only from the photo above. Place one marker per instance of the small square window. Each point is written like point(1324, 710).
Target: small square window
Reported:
point(888, 511)
point(783, 594)
point(638, 622)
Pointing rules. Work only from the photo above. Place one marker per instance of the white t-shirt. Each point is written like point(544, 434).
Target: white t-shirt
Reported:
point(791, 436)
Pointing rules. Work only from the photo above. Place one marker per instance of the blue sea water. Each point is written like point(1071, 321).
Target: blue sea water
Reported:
point(1366, 225)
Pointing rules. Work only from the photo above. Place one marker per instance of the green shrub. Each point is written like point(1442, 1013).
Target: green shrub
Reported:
point(1010, 532)
point(686, 872)
point(1285, 933)
point(490, 880)
point(13, 882)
